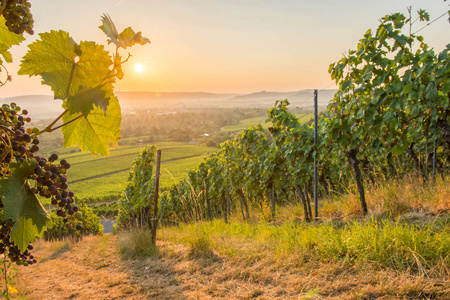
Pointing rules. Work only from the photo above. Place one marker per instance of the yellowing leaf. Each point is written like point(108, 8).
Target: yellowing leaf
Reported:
point(12, 289)
point(95, 131)
point(109, 28)
point(126, 38)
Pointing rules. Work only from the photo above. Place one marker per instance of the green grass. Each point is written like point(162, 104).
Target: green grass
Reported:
point(102, 178)
point(137, 242)
point(246, 123)
point(398, 245)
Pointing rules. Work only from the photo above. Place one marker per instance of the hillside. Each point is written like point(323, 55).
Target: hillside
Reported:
point(165, 101)
point(404, 256)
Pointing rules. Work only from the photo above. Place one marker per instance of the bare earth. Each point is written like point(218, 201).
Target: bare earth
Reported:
point(93, 269)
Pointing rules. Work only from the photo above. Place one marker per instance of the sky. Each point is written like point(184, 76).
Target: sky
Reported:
point(227, 46)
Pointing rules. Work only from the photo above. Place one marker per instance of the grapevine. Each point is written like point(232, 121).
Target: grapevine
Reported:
point(392, 107)
point(82, 78)
point(47, 178)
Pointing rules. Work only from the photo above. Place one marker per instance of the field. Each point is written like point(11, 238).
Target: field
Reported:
point(103, 178)
point(243, 124)
point(96, 178)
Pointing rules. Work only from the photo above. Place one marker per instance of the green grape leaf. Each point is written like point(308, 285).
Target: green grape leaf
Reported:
point(423, 15)
point(95, 131)
point(126, 38)
point(22, 206)
point(407, 89)
point(7, 40)
point(83, 100)
point(67, 67)
point(398, 150)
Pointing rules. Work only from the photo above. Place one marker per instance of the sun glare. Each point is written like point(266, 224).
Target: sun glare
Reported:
point(139, 68)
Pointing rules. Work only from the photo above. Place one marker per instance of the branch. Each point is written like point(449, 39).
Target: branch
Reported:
point(2, 8)
point(57, 127)
point(7, 129)
point(8, 77)
point(49, 127)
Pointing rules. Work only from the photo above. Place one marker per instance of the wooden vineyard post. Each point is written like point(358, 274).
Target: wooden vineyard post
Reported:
point(155, 197)
point(316, 188)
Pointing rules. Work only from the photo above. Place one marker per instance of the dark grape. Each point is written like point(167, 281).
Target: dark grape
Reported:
point(18, 18)
point(53, 157)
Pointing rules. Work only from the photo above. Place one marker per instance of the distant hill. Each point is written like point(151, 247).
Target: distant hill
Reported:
point(165, 101)
point(152, 100)
point(38, 106)
point(303, 98)
point(131, 101)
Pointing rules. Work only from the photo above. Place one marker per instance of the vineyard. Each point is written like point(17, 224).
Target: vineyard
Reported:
point(386, 86)
point(242, 218)
point(103, 178)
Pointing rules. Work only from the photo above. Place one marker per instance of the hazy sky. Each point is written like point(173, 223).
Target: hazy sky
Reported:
point(233, 46)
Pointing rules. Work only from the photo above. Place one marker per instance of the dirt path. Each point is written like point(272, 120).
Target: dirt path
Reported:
point(93, 269)
point(90, 269)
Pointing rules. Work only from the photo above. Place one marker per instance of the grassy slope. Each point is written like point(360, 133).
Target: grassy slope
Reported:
point(401, 255)
point(244, 124)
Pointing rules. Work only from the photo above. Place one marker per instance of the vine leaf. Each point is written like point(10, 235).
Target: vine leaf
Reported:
point(81, 101)
point(7, 39)
point(22, 206)
point(94, 131)
point(70, 69)
point(126, 38)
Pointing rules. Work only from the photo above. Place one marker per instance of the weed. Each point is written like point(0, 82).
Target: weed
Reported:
point(200, 247)
point(137, 242)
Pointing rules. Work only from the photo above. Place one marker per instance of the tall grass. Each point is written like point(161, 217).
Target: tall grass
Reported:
point(137, 242)
point(417, 248)
point(411, 194)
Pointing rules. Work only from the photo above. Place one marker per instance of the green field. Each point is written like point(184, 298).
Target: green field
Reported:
point(101, 178)
point(245, 123)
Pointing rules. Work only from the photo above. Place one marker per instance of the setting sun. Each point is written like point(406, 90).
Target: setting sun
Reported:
point(139, 68)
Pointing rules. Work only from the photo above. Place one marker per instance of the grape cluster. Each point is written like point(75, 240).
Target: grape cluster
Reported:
point(18, 144)
point(14, 136)
point(51, 182)
point(18, 16)
point(10, 250)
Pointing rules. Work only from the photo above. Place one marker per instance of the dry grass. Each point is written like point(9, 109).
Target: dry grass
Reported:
point(400, 251)
point(90, 269)
point(395, 198)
